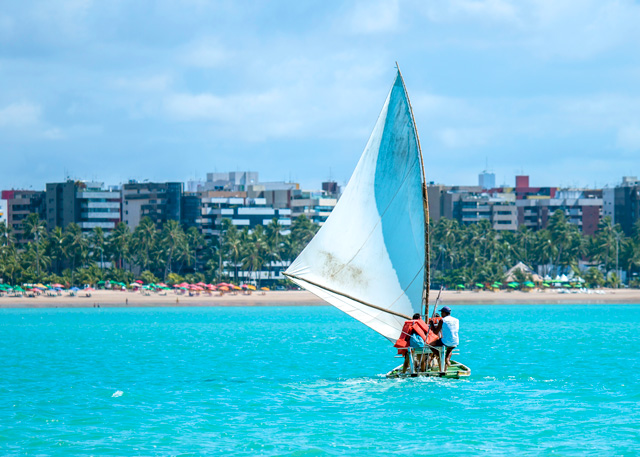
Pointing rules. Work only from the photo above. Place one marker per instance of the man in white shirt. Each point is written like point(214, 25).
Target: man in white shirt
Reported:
point(448, 325)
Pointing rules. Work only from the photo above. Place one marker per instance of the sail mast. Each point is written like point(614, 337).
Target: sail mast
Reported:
point(425, 203)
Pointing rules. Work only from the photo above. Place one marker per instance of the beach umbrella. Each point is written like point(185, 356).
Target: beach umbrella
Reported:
point(59, 285)
point(201, 284)
point(161, 284)
point(237, 288)
point(498, 283)
point(546, 284)
point(100, 282)
point(529, 284)
point(460, 286)
point(264, 288)
point(139, 281)
point(224, 284)
point(251, 287)
point(223, 288)
point(513, 285)
point(89, 288)
point(481, 286)
point(75, 289)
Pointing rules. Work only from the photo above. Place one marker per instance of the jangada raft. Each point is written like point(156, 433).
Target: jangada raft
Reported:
point(370, 259)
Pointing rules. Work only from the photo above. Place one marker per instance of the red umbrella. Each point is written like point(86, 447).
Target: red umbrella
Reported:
point(139, 282)
point(162, 284)
point(201, 284)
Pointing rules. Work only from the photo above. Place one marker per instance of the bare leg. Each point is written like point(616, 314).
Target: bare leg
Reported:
point(447, 361)
point(406, 362)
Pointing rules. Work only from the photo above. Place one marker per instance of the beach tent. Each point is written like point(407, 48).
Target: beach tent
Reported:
point(510, 276)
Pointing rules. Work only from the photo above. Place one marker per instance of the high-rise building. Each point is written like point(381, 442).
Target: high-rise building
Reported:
point(487, 180)
point(626, 203)
point(86, 203)
point(581, 207)
point(21, 203)
point(160, 201)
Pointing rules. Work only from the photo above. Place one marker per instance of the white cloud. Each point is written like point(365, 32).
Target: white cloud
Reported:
point(374, 17)
point(20, 115)
point(204, 53)
point(484, 10)
point(53, 133)
point(156, 83)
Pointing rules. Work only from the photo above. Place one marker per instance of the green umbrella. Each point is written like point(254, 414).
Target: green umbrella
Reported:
point(546, 284)
point(481, 286)
point(529, 284)
point(513, 285)
point(498, 283)
point(100, 282)
point(460, 286)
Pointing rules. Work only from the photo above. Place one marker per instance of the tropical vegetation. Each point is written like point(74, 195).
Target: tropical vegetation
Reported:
point(168, 253)
point(460, 255)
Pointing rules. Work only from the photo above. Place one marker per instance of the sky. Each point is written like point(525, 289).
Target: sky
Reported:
point(163, 90)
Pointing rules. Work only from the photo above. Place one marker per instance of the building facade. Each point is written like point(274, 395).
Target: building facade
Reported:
point(88, 204)
point(160, 201)
point(21, 203)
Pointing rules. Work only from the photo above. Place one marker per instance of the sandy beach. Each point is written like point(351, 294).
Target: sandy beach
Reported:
point(107, 298)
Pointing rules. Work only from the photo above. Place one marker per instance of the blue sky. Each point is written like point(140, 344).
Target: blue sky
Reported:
point(116, 90)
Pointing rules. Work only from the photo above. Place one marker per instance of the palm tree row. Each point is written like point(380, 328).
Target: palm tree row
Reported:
point(460, 254)
point(169, 253)
point(479, 254)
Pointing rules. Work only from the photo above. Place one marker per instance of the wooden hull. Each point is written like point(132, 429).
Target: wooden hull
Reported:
point(455, 371)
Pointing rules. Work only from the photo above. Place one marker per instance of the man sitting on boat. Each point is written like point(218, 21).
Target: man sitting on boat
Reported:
point(414, 334)
point(448, 325)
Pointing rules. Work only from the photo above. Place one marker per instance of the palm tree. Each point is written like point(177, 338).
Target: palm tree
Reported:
point(144, 242)
point(173, 240)
point(35, 229)
point(97, 243)
point(232, 245)
point(255, 252)
point(57, 248)
point(118, 243)
point(76, 246)
point(274, 243)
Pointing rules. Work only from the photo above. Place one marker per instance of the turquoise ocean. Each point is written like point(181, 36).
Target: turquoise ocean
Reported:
point(546, 380)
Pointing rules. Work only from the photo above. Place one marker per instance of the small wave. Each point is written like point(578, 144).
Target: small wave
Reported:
point(117, 393)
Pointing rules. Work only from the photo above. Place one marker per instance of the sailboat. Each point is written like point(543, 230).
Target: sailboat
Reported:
point(370, 259)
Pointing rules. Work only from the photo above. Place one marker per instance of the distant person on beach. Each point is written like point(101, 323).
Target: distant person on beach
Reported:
point(449, 326)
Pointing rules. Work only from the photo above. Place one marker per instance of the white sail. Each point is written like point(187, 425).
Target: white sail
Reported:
point(368, 258)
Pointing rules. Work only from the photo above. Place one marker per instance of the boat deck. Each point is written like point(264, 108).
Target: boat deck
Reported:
point(455, 371)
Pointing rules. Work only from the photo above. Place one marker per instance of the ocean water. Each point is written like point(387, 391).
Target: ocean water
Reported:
point(546, 380)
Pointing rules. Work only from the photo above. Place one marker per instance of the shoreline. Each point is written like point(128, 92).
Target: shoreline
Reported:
point(119, 299)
